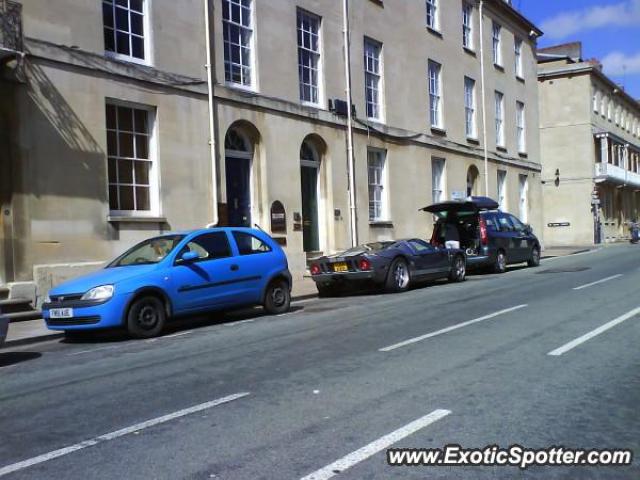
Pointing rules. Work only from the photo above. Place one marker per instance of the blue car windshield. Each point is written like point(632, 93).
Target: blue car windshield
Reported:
point(151, 251)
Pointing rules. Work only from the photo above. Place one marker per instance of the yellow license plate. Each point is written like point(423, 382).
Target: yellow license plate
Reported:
point(340, 267)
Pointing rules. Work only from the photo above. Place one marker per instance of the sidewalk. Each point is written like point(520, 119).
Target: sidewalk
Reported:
point(31, 331)
point(549, 252)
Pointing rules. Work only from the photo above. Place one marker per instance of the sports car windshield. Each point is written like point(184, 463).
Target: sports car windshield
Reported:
point(150, 251)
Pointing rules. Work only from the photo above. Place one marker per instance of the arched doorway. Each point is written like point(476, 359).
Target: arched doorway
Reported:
point(238, 158)
point(309, 178)
point(472, 181)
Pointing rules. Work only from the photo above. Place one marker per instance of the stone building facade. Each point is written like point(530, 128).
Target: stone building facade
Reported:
point(106, 139)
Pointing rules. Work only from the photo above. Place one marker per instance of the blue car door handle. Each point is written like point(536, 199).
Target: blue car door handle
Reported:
point(234, 268)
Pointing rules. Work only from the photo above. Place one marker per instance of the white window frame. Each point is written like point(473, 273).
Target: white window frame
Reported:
point(228, 44)
point(496, 37)
point(377, 176)
point(596, 100)
point(523, 184)
point(374, 79)
point(432, 15)
point(521, 127)
point(434, 77)
point(499, 118)
point(502, 189)
point(317, 54)
point(467, 25)
point(438, 169)
point(517, 51)
point(146, 35)
point(154, 168)
point(470, 123)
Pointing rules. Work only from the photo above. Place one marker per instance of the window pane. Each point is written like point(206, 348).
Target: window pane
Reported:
point(112, 143)
point(137, 47)
point(142, 198)
point(140, 120)
point(142, 173)
point(111, 116)
point(107, 14)
point(112, 170)
point(136, 5)
point(136, 23)
point(142, 146)
point(113, 197)
point(126, 145)
point(249, 244)
point(126, 198)
point(215, 244)
point(122, 43)
point(122, 19)
point(125, 119)
point(125, 171)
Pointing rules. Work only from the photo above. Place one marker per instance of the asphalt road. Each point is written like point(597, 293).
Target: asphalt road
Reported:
point(247, 396)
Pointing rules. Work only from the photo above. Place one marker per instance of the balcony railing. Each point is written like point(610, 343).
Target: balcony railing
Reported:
point(617, 175)
point(11, 40)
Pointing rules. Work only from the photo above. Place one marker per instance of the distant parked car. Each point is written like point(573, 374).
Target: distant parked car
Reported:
point(489, 237)
point(391, 264)
point(171, 275)
point(4, 328)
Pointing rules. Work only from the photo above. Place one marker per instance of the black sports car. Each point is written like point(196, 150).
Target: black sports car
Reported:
point(392, 264)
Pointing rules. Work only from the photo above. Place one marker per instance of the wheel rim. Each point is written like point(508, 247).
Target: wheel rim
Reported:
point(460, 270)
point(536, 256)
point(502, 261)
point(401, 275)
point(278, 296)
point(147, 317)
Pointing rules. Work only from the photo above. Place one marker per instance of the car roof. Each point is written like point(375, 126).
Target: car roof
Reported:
point(198, 231)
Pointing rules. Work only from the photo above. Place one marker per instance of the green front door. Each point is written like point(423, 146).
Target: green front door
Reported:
point(310, 235)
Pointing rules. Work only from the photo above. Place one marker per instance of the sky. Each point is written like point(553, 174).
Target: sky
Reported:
point(609, 31)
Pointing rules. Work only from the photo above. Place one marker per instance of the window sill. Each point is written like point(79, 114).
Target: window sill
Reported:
point(498, 67)
point(520, 79)
point(470, 51)
point(500, 148)
point(135, 219)
point(439, 131)
point(473, 140)
point(378, 2)
point(380, 223)
point(523, 154)
point(435, 32)
point(127, 58)
point(240, 87)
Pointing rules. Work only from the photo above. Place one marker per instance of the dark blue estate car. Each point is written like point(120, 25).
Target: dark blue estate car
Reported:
point(171, 275)
point(490, 238)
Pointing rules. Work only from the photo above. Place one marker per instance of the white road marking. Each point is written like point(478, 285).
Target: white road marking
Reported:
point(118, 433)
point(450, 329)
point(598, 282)
point(588, 336)
point(374, 447)
point(178, 334)
point(94, 350)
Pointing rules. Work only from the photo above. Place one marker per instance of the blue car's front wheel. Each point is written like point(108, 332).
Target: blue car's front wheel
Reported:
point(146, 317)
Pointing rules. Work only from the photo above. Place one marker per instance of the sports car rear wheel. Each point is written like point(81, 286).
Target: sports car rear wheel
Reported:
point(146, 317)
point(458, 270)
point(398, 277)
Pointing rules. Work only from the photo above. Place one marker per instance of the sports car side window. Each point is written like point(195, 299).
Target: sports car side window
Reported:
point(208, 246)
point(420, 246)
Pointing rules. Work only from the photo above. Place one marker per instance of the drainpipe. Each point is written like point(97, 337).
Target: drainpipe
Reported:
point(353, 217)
point(484, 109)
point(212, 135)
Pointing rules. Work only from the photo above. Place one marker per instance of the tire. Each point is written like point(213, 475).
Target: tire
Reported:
point(277, 297)
point(534, 261)
point(500, 263)
point(146, 317)
point(398, 277)
point(458, 271)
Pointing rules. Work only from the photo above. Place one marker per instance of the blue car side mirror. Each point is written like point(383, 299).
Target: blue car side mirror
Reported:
point(189, 257)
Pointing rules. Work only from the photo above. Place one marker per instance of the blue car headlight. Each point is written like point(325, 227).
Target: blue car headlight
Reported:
point(103, 292)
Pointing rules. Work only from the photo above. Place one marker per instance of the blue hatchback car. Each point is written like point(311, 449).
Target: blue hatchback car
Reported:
point(171, 275)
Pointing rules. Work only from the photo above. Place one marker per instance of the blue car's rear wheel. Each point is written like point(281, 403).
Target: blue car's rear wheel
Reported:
point(146, 317)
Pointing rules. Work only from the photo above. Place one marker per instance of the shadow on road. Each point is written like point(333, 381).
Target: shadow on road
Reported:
point(13, 358)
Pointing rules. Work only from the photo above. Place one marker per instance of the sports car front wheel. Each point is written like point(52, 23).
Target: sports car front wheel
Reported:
point(398, 277)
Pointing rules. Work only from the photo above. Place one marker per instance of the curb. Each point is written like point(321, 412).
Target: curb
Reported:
point(30, 340)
